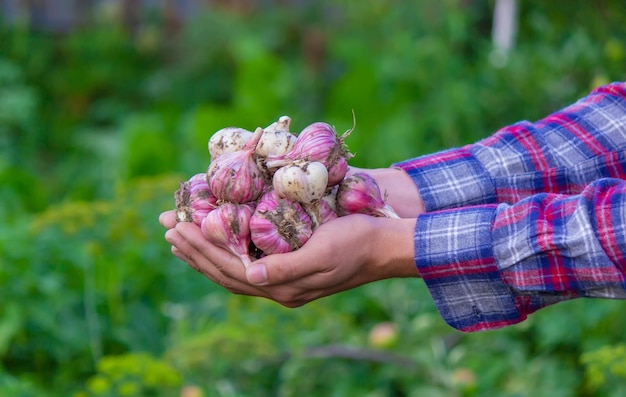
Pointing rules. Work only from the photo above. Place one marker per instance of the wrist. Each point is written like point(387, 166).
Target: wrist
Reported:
point(393, 251)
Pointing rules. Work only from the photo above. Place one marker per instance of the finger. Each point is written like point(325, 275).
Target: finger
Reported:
point(179, 248)
point(218, 258)
point(168, 219)
point(186, 252)
point(179, 254)
point(283, 268)
point(185, 258)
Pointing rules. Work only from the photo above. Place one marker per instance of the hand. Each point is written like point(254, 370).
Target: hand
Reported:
point(333, 260)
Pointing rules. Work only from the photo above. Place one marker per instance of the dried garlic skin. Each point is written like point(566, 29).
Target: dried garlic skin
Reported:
point(181, 197)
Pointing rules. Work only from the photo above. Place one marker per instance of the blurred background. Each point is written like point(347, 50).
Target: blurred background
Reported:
point(105, 106)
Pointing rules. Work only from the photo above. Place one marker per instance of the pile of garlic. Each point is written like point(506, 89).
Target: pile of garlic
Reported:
point(265, 192)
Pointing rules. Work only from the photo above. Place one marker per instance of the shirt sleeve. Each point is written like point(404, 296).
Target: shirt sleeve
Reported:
point(490, 266)
point(528, 217)
point(561, 153)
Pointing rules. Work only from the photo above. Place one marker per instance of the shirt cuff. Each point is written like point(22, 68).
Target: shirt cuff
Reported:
point(454, 256)
point(450, 178)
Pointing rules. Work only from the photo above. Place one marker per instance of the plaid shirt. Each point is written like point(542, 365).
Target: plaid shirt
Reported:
point(531, 216)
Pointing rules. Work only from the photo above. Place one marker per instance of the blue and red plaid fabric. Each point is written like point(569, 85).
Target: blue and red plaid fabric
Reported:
point(531, 216)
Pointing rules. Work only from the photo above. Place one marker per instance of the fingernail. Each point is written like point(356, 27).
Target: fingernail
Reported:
point(169, 235)
point(257, 274)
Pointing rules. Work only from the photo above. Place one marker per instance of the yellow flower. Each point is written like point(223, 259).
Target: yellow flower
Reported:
point(98, 385)
point(129, 389)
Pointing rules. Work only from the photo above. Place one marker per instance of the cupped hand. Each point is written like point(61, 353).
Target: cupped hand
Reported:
point(342, 254)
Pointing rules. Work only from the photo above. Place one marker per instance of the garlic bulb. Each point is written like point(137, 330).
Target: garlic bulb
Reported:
point(326, 212)
point(322, 210)
point(228, 227)
point(328, 205)
point(317, 142)
point(228, 140)
point(276, 140)
point(282, 124)
point(279, 225)
point(301, 181)
point(360, 194)
point(337, 171)
point(267, 191)
point(236, 177)
point(275, 143)
point(194, 200)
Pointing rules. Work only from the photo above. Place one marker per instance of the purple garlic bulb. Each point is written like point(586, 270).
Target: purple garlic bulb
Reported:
point(360, 194)
point(279, 225)
point(228, 227)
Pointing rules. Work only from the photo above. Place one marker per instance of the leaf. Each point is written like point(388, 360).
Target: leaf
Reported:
point(11, 321)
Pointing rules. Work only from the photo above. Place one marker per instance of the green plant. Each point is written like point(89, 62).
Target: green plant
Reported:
point(132, 374)
point(98, 126)
point(605, 369)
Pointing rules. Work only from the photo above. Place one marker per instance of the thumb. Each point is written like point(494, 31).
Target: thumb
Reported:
point(277, 269)
point(167, 219)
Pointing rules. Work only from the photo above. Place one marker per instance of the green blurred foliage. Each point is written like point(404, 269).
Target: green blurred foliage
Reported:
point(99, 125)
point(605, 369)
point(132, 374)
